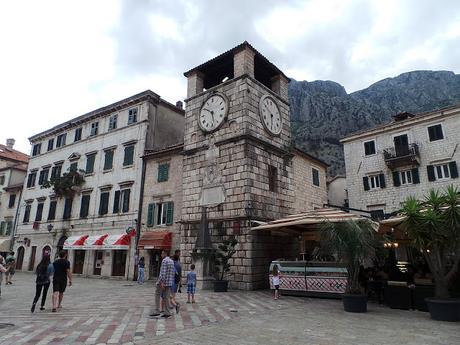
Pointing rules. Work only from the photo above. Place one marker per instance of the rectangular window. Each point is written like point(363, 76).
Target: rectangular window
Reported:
point(9, 227)
point(51, 144)
point(12, 200)
point(369, 147)
point(36, 149)
point(129, 155)
point(125, 193)
point(84, 206)
point(150, 214)
point(73, 166)
point(38, 215)
point(43, 177)
point(315, 175)
point(90, 163)
point(67, 209)
point(132, 116)
point(60, 140)
point(31, 179)
point(2, 180)
point(272, 178)
point(406, 177)
point(77, 136)
point(116, 202)
point(435, 132)
point(2, 228)
point(164, 213)
point(52, 210)
point(163, 172)
point(108, 159)
point(56, 171)
point(94, 128)
point(442, 171)
point(104, 203)
point(374, 182)
point(113, 122)
point(27, 213)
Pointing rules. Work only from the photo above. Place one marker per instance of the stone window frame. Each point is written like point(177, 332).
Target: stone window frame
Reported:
point(94, 129)
point(133, 115)
point(77, 134)
point(442, 131)
point(113, 122)
point(315, 168)
point(61, 140)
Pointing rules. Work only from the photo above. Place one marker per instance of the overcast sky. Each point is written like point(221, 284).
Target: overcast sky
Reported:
point(60, 59)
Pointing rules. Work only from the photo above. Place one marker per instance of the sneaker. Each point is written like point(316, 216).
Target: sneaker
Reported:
point(154, 314)
point(54, 310)
point(42, 308)
point(33, 308)
point(166, 316)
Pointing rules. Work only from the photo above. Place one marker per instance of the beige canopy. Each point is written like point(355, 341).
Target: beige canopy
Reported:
point(298, 224)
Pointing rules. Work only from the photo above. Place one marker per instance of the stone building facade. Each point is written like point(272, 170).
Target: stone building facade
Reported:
point(13, 168)
point(106, 146)
point(337, 194)
point(242, 170)
point(408, 157)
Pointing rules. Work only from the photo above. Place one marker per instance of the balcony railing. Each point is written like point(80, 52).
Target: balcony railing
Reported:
point(402, 155)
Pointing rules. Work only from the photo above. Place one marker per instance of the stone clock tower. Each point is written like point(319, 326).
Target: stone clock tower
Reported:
point(237, 158)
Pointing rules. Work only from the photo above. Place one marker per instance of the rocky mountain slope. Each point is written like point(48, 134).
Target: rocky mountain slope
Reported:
point(322, 112)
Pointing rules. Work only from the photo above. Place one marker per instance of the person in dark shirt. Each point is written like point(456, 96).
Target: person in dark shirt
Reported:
point(61, 275)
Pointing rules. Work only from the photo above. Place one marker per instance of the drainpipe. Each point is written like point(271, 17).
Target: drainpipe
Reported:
point(139, 214)
point(15, 224)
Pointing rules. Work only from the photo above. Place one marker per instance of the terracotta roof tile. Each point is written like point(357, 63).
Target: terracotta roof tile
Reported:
point(12, 155)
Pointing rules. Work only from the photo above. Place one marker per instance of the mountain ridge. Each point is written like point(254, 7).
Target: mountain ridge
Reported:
point(322, 112)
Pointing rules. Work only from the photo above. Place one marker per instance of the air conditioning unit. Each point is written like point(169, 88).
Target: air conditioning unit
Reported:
point(36, 225)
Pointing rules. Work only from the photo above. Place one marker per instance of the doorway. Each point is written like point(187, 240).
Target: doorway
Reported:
point(32, 258)
point(155, 263)
point(401, 145)
point(78, 261)
point(20, 258)
point(119, 263)
point(98, 257)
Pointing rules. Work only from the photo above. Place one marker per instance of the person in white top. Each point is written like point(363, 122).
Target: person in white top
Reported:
point(276, 281)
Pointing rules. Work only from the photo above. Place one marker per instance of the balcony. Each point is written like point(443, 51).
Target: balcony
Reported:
point(401, 155)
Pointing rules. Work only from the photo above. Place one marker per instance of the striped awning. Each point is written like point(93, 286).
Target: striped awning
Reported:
point(95, 242)
point(303, 222)
point(119, 241)
point(75, 242)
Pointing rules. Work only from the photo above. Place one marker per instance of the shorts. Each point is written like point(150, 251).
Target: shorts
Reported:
point(59, 285)
point(191, 288)
point(277, 287)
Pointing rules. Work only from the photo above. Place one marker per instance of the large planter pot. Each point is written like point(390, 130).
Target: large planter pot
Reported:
point(444, 309)
point(355, 303)
point(220, 285)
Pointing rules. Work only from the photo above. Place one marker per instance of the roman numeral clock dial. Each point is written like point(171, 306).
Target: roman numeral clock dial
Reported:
point(270, 115)
point(213, 113)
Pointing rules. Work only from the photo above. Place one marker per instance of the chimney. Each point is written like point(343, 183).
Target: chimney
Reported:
point(179, 104)
point(10, 143)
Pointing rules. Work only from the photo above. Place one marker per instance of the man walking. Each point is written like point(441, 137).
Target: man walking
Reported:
point(61, 274)
point(164, 283)
point(10, 265)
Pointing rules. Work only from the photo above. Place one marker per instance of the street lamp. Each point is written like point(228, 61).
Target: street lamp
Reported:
point(50, 227)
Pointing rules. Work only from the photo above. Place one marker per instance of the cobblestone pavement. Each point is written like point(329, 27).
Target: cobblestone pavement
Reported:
point(97, 311)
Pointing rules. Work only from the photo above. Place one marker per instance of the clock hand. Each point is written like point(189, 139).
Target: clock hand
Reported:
point(271, 115)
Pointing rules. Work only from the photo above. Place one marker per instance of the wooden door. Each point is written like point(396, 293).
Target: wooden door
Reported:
point(20, 258)
point(33, 253)
point(154, 264)
point(119, 262)
point(401, 145)
point(78, 261)
point(98, 257)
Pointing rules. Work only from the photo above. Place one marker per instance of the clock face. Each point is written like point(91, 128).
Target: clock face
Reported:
point(270, 115)
point(213, 113)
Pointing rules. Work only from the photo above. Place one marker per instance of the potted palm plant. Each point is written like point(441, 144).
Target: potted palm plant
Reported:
point(433, 226)
point(354, 243)
point(223, 255)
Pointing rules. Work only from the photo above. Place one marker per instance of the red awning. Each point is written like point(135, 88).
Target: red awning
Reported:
point(155, 240)
point(120, 241)
point(95, 242)
point(75, 242)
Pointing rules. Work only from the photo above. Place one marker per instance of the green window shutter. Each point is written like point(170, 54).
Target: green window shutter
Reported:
point(150, 213)
point(126, 194)
point(163, 172)
point(129, 155)
point(116, 202)
point(382, 180)
point(108, 161)
point(52, 210)
point(84, 208)
point(170, 213)
point(9, 227)
point(90, 164)
point(104, 203)
point(453, 169)
point(396, 180)
point(366, 182)
point(415, 176)
point(430, 171)
point(2, 228)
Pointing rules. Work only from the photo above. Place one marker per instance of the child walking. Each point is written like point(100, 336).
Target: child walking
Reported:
point(191, 284)
point(276, 281)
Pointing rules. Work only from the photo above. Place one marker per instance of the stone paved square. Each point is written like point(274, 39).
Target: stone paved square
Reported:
point(99, 311)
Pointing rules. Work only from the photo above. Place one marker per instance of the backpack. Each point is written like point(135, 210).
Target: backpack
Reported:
point(42, 275)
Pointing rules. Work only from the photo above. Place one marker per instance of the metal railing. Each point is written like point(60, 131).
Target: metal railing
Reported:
point(391, 153)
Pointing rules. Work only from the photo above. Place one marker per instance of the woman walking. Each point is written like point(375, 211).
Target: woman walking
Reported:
point(43, 272)
point(141, 271)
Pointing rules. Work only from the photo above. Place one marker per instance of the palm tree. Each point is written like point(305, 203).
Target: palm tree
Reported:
point(433, 225)
point(354, 242)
